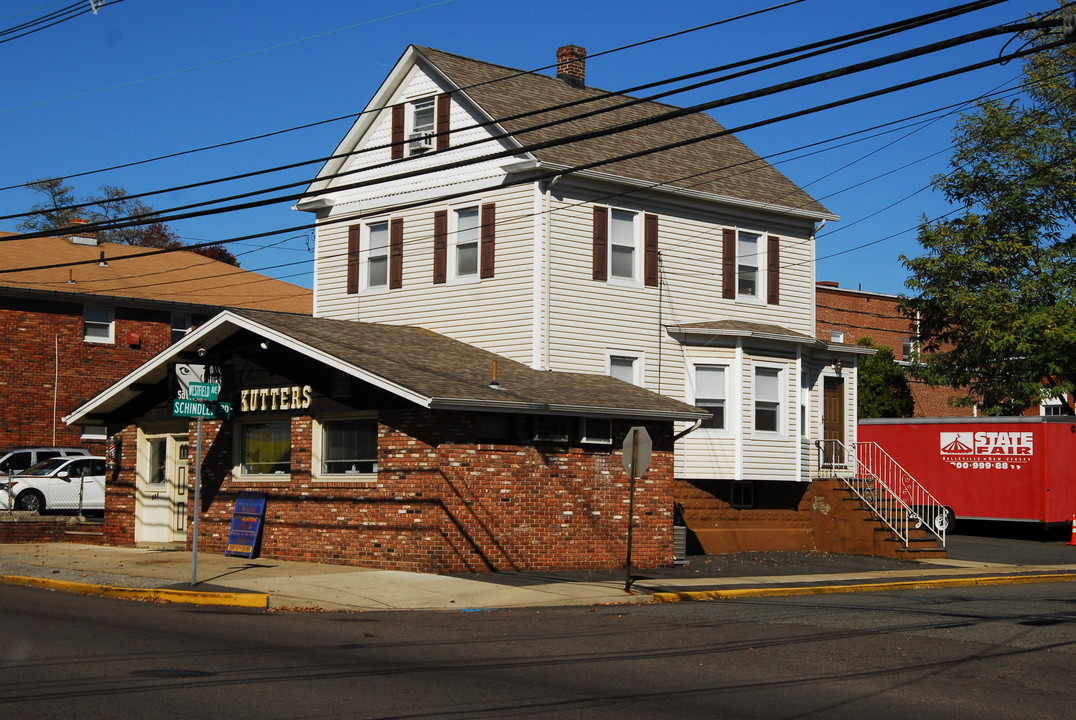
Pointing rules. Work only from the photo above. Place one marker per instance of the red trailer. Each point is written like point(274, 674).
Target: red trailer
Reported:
point(1011, 468)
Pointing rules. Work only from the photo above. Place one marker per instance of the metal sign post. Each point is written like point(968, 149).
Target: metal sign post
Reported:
point(636, 460)
point(197, 500)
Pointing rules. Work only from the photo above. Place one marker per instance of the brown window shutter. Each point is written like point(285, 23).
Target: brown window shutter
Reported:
point(396, 253)
point(397, 131)
point(728, 264)
point(440, 246)
point(773, 270)
point(354, 240)
point(488, 240)
point(601, 244)
point(444, 108)
point(650, 250)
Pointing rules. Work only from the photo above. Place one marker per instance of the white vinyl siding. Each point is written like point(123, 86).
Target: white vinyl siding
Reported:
point(494, 313)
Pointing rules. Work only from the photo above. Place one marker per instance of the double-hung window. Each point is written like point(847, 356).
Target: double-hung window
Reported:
point(377, 255)
point(623, 245)
point(422, 126)
point(97, 325)
point(748, 277)
point(710, 394)
point(767, 399)
point(465, 242)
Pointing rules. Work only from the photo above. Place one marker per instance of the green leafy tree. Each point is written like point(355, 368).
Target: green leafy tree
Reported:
point(994, 291)
point(884, 391)
point(110, 206)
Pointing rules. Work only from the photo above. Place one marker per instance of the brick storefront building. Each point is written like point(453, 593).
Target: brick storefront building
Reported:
point(390, 447)
point(77, 314)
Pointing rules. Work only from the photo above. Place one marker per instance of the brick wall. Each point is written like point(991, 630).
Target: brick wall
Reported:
point(32, 329)
point(444, 503)
point(860, 315)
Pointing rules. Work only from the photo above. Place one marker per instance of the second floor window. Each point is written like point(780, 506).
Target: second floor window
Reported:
point(465, 242)
point(625, 246)
point(377, 255)
point(97, 325)
point(747, 264)
point(622, 245)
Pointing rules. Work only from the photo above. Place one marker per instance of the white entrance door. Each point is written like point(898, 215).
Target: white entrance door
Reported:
point(161, 490)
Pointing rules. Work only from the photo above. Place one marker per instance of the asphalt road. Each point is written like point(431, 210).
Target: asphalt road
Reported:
point(996, 652)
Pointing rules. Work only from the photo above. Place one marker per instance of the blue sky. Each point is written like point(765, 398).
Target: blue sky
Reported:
point(144, 78)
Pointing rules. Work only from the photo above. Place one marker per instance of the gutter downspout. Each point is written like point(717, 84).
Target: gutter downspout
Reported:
point(547, 332)
point(688, 431)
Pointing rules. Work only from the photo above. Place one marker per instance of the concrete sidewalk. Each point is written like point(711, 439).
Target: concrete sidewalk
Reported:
point(281, 585)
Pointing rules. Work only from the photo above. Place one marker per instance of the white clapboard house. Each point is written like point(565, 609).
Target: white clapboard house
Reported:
point(573, 229)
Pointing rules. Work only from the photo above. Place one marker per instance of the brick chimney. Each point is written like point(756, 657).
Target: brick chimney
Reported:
point(572, 65)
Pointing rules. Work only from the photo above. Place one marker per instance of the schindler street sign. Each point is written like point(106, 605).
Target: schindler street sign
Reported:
point(182, 407)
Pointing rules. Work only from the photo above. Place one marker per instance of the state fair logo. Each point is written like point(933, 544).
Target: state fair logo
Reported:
point(987, 450)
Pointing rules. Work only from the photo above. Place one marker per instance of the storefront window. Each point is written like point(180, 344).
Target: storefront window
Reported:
point(349, 447)
point(267, 448)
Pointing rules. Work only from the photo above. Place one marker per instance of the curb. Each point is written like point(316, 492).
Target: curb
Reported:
point(189, 597)
point(690, 595)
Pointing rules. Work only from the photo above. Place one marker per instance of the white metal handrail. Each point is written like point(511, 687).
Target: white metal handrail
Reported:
point(897, 498)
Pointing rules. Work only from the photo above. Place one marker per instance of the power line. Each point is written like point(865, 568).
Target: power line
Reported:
point(804, 52)
point(556, 173)
point(353, 116)
point(161, 216)
point(52, 19)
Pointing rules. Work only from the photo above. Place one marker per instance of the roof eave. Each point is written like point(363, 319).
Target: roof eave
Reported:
point(697, 194)
point(535, 408)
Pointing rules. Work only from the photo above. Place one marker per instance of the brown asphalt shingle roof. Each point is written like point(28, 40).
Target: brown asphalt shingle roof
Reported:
point(179, 277)
point(454, 374)
point(735, 170)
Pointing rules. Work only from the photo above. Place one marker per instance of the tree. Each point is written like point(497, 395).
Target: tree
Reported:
point(884, 391)
point(994, 291)
point(111, 206)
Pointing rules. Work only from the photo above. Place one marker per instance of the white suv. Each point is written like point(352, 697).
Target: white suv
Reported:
point(15, 460)
point(60, 483)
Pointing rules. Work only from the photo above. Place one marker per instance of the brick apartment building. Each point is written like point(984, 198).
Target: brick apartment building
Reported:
point(77, 314)
point(845, 315)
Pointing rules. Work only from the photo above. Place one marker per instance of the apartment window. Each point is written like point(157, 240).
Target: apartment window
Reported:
point(750, 266)
point(907, 349)
point(349, 446)
point(622, 245)
point(377, 255)
point(621, 250)
point(549, 428)
point(265, 448)
point(836, 336)
point(465, 242)
point(625, 367)
point(97, 325)
point(710, 394)
point(767, 399)
point(747, 265)
point(422, 126)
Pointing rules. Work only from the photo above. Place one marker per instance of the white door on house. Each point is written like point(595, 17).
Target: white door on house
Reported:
point(161, 490)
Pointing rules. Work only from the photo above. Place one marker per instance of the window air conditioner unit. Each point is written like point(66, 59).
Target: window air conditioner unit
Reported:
point(420, 143)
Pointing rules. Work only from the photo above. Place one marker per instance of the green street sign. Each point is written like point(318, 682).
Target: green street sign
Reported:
point(203, 391)
point(201, 409)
